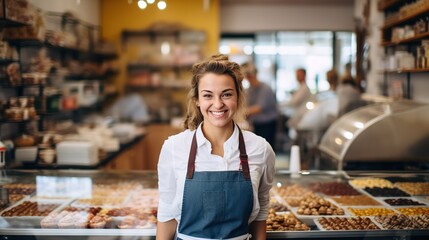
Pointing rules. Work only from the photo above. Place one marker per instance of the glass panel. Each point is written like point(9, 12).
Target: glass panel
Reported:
point(278, 54)
point(265, 58)
point(310, 50)
point(346, 51)
point(240, 50)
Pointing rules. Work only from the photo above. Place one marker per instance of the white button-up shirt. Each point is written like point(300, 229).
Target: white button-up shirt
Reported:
point(173, 162)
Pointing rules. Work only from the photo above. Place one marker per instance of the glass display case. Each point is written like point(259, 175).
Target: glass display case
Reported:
point(122, 204)
point(379, 133)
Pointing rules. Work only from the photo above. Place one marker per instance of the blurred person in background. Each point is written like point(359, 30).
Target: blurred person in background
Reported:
point(300, 96)
point(348, 93)
point(130, 108)
point(295, 107)
point(262, 109)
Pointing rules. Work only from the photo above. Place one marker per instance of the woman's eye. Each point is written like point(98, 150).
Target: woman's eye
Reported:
point(227, 95)
point(207, 96)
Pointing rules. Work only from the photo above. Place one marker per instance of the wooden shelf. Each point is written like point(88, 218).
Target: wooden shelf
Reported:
point(152, 88)
point(406, 40)
point(5, 22)
point(407, 18)
point(413, 70)
point(7, 61)
point(157, 67)
point(386, 4)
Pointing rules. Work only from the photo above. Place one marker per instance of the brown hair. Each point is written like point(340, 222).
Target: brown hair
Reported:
point(332, 78)
point(217, 64)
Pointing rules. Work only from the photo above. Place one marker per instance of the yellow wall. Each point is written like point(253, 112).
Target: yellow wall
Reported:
point(118, 15)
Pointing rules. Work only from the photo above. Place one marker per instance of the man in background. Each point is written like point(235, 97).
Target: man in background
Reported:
point(262, 105)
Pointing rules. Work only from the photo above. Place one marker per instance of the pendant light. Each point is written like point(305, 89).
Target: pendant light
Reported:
point(143, 4)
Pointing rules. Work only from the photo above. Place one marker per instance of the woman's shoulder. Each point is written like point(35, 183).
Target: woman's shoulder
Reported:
point(250, 137)
point(181, 136)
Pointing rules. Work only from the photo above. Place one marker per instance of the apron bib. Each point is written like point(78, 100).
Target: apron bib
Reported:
point(216, 204)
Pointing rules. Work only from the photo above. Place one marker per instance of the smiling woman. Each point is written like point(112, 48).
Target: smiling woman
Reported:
point(221, 159)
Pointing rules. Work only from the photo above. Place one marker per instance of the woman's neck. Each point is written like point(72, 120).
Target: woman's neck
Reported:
point(217, 137)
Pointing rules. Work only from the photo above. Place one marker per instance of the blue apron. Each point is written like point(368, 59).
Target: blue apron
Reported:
point(216, 204)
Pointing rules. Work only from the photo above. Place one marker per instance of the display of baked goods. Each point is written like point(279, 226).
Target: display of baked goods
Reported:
point(346, 223)
point(370, 211)
point(409, 211)
point(30, 208)
point(371, 182)
point(293, 190)
point(76, 218)
point(414, 188)
point(278, 207)
point(147, 198)
point(386, 192)
point(359, 200)
point(312, 204)
point(284, 222)
point(126, 204)
point(397, 221)
point(402, 202)
point(20, 188)
point(99, 201)
point(334, 189)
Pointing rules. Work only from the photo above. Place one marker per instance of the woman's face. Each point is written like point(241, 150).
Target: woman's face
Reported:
point(217, 99)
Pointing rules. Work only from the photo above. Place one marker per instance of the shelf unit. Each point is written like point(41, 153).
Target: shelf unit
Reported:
point(159, 61)
point(94, 54)
point(404, 14)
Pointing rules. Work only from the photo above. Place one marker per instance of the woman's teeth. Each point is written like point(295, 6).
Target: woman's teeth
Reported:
point(218, 113)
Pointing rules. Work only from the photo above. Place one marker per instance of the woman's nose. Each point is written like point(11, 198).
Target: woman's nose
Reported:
point(218, 102)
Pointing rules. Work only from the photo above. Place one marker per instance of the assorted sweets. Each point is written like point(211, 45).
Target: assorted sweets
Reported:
point(359, 204)
point(386, 192)
point(76, 218)
point(359, 200)
point(335, 189)
point(414, 188)
point(20, 188)
point(370, 211)
point(401, 222)
point(403, 202)
point(371, 182)
point(347, 223)
point(413, 210)
point(284, 222)
point(312, 204)
point(30, 208)
point(294, 190)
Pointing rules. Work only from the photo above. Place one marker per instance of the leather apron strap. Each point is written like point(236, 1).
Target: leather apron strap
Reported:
point(241, 147)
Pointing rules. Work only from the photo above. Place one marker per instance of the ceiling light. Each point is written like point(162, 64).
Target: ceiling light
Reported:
point(162, 5)
point(142, 4)
point(150, 1)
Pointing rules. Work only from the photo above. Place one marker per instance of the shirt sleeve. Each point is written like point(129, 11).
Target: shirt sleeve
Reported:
point(166, 183)
point(299, 97)
point(266, 183)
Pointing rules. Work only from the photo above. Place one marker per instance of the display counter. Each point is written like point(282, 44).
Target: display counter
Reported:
point(104, 162)
point(79, 204)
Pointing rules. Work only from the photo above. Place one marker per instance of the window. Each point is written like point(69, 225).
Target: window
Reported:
point(278, 54)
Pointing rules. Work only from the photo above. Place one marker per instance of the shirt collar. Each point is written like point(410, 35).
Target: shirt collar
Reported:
point(231, 142)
